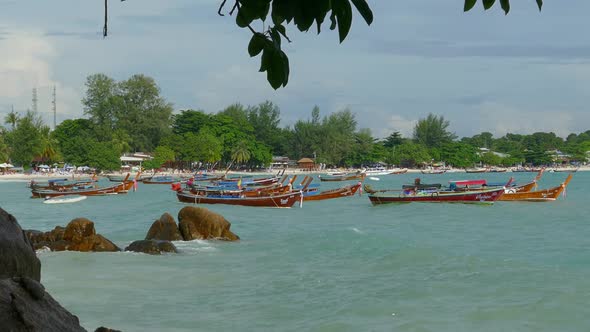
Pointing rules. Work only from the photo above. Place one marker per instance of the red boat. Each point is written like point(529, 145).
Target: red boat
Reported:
point(345, 191)
point(120, 188)
point(434, 196)
point(281, 201)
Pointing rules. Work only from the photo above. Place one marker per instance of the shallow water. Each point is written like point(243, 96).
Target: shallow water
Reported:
point(340, 265)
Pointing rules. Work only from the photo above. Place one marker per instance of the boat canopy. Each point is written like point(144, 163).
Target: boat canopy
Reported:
point(469, 182)
point(466, 183)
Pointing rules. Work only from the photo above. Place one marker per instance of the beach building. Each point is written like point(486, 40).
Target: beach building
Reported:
point(306, 164)
point(130, 160)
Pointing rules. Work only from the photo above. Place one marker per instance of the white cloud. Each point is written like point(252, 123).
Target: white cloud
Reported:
point(502, 119)
point(25, 63)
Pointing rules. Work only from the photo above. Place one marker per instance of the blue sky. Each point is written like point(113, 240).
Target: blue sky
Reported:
point(520, 73)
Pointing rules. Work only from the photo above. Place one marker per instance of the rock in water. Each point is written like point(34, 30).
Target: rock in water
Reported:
point(152, 247)
point(164, 228)
point(78, 235)
point(197, 223)
point(17, 257)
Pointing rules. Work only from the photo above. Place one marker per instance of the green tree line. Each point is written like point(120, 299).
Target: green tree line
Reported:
point(132, 116)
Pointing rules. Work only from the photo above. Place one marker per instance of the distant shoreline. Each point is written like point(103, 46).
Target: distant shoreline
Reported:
point(47, 176)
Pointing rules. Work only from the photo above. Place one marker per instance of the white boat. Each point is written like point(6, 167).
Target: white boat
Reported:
point(64, 199)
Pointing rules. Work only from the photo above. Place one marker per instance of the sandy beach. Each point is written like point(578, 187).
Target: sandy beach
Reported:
point(20, 177)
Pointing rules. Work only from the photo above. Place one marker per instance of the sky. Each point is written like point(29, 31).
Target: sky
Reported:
point(525, 72)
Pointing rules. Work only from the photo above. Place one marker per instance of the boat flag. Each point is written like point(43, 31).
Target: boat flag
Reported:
point(240, 183)
point(360, 188)
point(134, 184)
point(300, 199)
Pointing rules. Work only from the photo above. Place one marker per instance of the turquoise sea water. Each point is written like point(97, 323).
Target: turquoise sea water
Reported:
point(339, 265)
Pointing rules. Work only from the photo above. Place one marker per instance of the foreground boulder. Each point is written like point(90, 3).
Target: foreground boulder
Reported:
point(197, 223)
point(152, 247)
point(17, 257)
point(78, 235)
point(164, 228)
point(26, 306)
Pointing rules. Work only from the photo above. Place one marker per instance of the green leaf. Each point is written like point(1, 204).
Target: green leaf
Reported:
point(469, 4)
point(276, 38)
point(333, 21)
point(274, 72)
point(540, 4)
point(265, 60)
point(364, 10)
point(343, 12)
point(256, 44)
point(281, 29)
point(285, 68)
point(487, 4)
point(505, 5)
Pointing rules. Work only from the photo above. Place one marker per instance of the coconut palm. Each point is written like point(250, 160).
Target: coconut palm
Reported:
point(4, 150)
point(48, 145)
point(240, 153)
point(11, 119)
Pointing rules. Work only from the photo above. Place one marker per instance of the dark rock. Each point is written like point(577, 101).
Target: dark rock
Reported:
point(152, 247)
point(197, 223)
point(25, 306)
point(17, 257)
point(164, 228)
point(78, 229)
point(78, 235)
point(105, 329)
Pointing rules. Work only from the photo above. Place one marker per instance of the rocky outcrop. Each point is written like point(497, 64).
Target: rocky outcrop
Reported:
point(164, 228)
point(152, 247)
point(17, 257)
point(78, 235)
point(26, 306)
point(197, 223)
point(24, 303)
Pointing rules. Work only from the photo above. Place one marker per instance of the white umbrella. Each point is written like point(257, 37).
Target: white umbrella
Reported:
point(4, 165)
point(43, 166)
point(9, 165)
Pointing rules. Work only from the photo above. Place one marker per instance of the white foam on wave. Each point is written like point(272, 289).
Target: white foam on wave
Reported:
point(195, 246)
point(356, 230)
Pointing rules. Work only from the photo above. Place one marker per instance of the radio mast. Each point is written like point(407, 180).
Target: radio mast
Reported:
point(54, 108)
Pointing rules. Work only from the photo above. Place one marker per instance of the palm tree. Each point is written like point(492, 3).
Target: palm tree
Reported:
point(48, 145)
point(12, 119)
point(4, 150)
point(240, 153)
point(433, 131)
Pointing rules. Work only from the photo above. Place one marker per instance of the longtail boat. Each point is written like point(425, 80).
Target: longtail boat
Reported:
point(433, 196)
point(342, 176)
point(543, 195)
point(61, 184)
point(159, 179)
point(345, 191)
point(399, 171)
point(281, 201)
point(119, 188)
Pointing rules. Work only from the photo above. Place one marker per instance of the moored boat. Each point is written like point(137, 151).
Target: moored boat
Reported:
point(543, 195)
point(343, 176)
point(345, 191)
point(433, 196)
point(119, 188)
point(280, 201)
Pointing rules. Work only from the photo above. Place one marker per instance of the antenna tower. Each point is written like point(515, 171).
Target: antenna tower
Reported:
point(35, 100)
point(54, 108)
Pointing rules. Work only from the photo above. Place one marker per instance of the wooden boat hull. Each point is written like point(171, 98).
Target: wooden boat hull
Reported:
point(117, 189)
point(281, 201)
point(478, 197)
point(333, 193)
point(403, 171)
point(345, 177)
point(544, 195)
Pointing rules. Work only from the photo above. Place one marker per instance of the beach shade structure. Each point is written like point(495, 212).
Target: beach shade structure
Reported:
point(9, 165)
point(43, 166)
point(3, 165)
